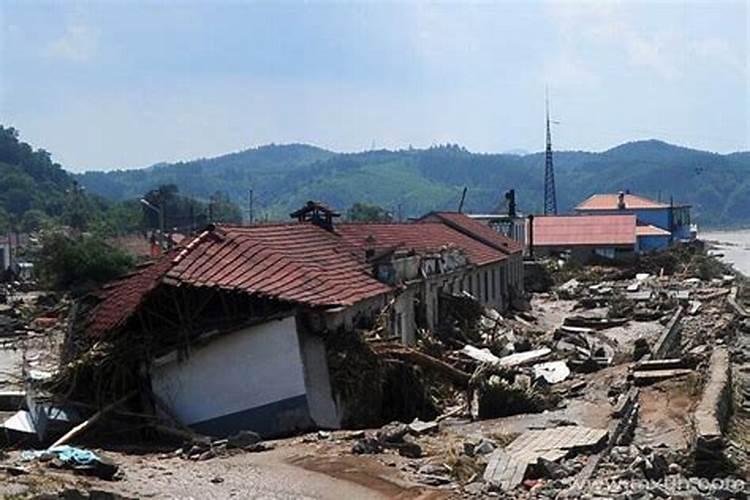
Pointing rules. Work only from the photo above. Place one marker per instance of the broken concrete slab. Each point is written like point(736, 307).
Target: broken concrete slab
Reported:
point(507, 467)
point(552, 371)
point(481, 355)
point(670, 338)
point(521, 358)
point(713, 409)
point(659, 364)
point(641, 378)
point(417, 427)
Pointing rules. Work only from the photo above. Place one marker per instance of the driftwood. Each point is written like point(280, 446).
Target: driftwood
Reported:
point(405, 353)
point(91, 420)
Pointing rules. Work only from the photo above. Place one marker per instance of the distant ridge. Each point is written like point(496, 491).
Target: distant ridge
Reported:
point(418, 180)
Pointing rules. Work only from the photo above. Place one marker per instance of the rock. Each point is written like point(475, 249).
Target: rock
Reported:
point(655, 467)
point(217, 480)
point(640, 349)
point(430, 480)
point(432, 470)
point(257, 447)
point(392, 433)
point(354, 435)
point(484, 447)
point(674, 468)
point(551, 470)
point(475, 488)
point(14, 470)
point(243, 439)
point(367, 446)
point(410, 450)
point(324, 435)
point(658, 491)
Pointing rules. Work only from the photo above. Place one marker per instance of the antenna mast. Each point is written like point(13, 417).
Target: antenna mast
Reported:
point(550, 198)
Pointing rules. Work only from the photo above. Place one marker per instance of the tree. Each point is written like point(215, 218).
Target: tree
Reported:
point(64, 262)
point(33, 220)
point(365, 212)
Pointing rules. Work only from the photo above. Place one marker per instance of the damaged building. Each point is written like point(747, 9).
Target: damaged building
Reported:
point(228, 330)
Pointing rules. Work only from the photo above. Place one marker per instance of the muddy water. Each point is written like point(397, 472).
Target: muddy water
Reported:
point(735, 245)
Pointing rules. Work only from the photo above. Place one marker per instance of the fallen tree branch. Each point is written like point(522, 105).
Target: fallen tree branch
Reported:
point(405, 353)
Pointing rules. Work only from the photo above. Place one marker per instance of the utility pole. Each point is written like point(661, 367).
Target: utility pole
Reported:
point(251, 215)
point(463, 198)
point(550, 196)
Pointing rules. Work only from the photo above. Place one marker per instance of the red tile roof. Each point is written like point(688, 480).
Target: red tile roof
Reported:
point(122, 297)
point(421, 237)
point(296, 262)
point(610, 202)
point(465, 224)
point(573, 230)
point(649, 230)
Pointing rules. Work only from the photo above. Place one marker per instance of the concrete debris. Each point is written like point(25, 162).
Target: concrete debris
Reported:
point(713, 410)
point(243, 439)
point(507, 467)
point(523, 358)
point(552, 371)
point(642, 354)
point(417, 427)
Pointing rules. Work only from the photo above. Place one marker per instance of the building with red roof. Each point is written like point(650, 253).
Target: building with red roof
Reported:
point(671, 217)
point(231, 322)
point(584, 236)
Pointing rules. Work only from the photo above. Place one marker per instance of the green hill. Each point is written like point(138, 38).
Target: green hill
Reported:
point(415, 181)
point(29, 181)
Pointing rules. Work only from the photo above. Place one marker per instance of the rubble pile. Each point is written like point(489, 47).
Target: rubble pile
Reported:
point(556, 401)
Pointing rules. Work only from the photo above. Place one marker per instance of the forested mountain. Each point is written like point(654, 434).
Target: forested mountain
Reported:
point(414, 181)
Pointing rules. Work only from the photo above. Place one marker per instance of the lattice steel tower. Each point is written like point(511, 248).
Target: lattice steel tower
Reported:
point(550, 198)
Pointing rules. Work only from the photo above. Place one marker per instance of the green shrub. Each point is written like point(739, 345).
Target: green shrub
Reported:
point(64, 262)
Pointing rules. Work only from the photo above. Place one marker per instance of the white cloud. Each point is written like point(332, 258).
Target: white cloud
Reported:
point(718, 50)
point(78, 44)
point(667, 50)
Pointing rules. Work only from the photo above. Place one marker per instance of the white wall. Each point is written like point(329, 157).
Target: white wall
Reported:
point(318, 382)
point(235, 372)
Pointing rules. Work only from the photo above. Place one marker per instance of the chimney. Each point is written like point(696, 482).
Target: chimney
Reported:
point(621, 200)
point(511, 197)
point(317, 213)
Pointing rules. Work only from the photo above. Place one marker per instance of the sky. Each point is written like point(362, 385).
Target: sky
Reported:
point(124, 84)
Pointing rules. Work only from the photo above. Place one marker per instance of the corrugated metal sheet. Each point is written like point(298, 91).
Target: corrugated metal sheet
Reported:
point(610, 202)
point(584, 230)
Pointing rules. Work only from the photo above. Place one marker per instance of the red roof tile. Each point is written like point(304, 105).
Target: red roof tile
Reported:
point(465, 224)
point(122, 297)
point(610, 202)
point(295, 262)
point(421, 237)
point(572, 230)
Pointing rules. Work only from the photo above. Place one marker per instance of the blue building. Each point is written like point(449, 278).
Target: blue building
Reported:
point(658, 224)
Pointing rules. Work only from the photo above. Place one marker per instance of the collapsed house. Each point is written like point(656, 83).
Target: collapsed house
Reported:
point(228, 331)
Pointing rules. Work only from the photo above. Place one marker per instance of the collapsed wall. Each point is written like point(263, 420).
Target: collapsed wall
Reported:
point(712, 413)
